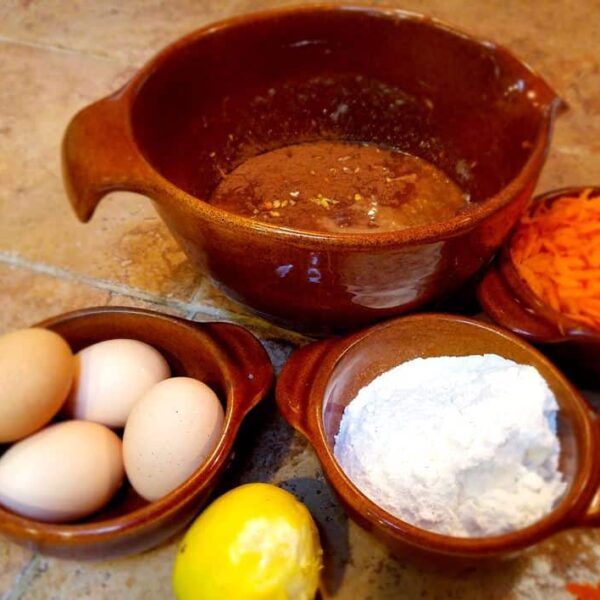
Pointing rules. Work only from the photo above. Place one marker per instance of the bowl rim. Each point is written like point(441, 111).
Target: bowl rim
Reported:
point(571, 505)
point(162, 189)
point(566, 326)
point(239, 401)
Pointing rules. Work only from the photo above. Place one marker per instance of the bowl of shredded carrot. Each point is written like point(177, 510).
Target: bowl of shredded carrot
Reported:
point(546, 284)
point(556, 252)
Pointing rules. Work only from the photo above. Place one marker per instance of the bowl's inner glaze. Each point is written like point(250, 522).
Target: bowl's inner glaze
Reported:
point(333, 74)
point(88, 330)
point(405, 340)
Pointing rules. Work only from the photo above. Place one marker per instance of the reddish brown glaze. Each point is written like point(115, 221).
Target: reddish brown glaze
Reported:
point(226, 357)
point(320, 379)
point(509, 301)
point(254, 83)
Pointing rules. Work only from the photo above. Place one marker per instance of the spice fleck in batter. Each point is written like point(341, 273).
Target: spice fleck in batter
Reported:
point(340, 186)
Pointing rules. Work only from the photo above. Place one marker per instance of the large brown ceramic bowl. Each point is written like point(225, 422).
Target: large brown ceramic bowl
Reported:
point(226, 357)
point(320, 379)
point(509, 301)
point(233, 90)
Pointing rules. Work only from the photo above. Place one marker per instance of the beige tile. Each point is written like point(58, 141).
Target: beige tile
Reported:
point(13, 559)
point(131, 31)
point(26, 297)
point(575, 153)
point(126, 242)
point(143, 577)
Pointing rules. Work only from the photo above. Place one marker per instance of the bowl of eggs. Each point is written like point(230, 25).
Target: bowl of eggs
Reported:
point(116, 424)
point(446, 437)
point(328, 166)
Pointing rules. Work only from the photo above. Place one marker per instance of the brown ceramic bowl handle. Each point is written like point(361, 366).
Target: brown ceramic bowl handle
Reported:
point(501, 306)
point(294, 384)
point(248, 357)
point(99, 155)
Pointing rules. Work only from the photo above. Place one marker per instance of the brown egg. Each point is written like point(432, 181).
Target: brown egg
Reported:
point(36, 371)
point(62, 473)
point(110, 377)
point(170, 432)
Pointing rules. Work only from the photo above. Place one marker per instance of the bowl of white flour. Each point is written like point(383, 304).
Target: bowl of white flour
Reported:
point(480, 431)
point(446, 435)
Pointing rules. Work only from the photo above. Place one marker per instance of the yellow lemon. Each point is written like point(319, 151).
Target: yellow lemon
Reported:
point(256, 542)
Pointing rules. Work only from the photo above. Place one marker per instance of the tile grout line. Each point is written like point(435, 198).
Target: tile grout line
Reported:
point(64, 50)
point(190, 309)
point(228, 12)
point(14, 260)
point(23, 579)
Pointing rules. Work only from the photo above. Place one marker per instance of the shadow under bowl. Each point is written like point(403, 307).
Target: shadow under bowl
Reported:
point(321, 379)
point(226, 357)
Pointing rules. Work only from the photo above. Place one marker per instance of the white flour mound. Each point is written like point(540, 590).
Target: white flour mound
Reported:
point(464, 446)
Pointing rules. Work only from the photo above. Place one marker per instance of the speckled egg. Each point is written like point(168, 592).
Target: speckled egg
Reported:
point(169, 434)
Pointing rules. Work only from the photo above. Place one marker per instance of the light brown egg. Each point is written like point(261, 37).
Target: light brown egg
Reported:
point(169, 434)
point(36, 371)
point(62, 473)
point(110, 377)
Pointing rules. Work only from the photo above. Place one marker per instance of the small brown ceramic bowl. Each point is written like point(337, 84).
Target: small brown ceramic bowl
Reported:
point(254, 83)
point(509, 301)
point(226, 357)
point(320, 379)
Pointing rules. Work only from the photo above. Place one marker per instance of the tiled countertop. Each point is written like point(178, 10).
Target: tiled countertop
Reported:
point(58, 55)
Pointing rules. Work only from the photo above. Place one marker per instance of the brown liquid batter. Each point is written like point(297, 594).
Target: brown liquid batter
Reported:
point(339, 186)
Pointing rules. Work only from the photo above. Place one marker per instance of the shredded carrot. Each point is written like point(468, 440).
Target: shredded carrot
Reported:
point(556, 251)
point(584, 591)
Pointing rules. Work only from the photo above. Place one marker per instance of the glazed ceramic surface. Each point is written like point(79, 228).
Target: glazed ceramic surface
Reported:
point(226, 357)
point(321, 379)
point(254, 83)
point(508, 300)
